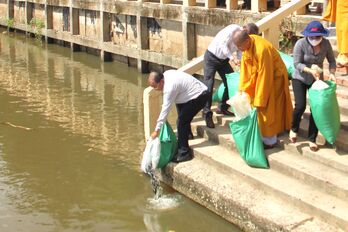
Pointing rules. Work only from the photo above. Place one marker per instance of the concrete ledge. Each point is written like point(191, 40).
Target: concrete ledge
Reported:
point(235, 199)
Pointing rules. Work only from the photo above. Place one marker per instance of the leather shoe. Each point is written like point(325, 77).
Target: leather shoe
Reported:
point(182, 158)
point(224, 112)
point(269, 146)
point(209, 121)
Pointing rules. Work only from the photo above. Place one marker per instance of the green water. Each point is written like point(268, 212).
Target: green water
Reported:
point(77, 168)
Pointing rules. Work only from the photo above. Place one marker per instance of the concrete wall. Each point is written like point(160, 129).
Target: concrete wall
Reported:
point(89, 24)
point(204, 35)
point(19, 12)
point(165, 37)
point(3, 9)
point(61, 18)
point(39, 12)
point(123, 30)
point(169, 35)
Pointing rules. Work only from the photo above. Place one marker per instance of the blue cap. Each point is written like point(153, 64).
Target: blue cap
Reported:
point(315, 28)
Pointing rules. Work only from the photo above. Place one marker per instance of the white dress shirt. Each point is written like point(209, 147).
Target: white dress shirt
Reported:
point(179, 87)
point(222, 45)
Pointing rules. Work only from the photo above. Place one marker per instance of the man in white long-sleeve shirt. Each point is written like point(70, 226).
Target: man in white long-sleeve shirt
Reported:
point(216, 59)
point(189, 95)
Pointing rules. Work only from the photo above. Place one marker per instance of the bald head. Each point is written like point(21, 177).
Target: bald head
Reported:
point(251, 28)
point(156, 80)
point(241, 39)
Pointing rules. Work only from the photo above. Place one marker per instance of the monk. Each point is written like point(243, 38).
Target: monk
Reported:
point(337, 11)
point(264, 77)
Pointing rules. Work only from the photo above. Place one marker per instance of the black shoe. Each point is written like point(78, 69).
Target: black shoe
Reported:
point(209, 120)
point(224, 112)
point(182, 158)
point(270, 146)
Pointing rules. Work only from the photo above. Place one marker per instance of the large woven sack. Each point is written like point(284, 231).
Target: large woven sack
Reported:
point(169, 145)
point(325, 111)
point(232, 84)
point(247, 136)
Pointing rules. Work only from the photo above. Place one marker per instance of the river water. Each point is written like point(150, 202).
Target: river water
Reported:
point(71, 135)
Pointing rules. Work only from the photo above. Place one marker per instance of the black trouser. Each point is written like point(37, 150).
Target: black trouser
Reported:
point(212, 64)
point(186, 112)
point(300, 91)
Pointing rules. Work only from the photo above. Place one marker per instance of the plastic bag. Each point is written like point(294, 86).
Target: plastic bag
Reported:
point(151, 155)
point(289, 63)
point(316, 67)
point(325, 111)
point(240, 105)
point(247, 136)
point(319, 85)
point(169, 145)
point(232, 84)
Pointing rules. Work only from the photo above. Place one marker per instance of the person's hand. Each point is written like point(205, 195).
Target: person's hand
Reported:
point(332, 77)
point(236, 62)
point(316, 73)
point(154, 134)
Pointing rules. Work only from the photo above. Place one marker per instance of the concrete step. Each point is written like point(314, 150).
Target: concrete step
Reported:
point(318, 175)
point(335, 158)
point(209, 180)
point(221, 134)
point(304, 197)
point(341, 143)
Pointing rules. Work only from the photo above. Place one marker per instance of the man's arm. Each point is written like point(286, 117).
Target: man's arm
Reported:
point(168, 99)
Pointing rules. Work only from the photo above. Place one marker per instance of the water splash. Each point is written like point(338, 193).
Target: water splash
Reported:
point(161, 201)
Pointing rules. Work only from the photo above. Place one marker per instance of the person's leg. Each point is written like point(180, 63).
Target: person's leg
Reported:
point(312, 130)
point(182, 129)
point(300, 90)
point(186, 112)
point(210, 67)
point(269, 141)
point(224, 69)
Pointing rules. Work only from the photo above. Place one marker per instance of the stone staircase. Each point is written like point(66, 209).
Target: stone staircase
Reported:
point(302, 190)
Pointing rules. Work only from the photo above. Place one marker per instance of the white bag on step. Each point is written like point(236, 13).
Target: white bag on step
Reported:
point(151, 154)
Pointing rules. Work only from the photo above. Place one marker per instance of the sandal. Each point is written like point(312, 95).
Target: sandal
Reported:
point(292, 136)
point(313, 147)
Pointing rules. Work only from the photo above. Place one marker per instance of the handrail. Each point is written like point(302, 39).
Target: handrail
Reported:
point(269, 25)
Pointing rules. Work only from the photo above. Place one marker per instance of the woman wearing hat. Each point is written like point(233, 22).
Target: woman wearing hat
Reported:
point(308, 51)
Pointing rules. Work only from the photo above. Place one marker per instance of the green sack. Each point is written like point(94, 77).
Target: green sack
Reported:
point(232, 83)
point(325, 111)
point(169, 145)
point(247, 136)
point(289, 63)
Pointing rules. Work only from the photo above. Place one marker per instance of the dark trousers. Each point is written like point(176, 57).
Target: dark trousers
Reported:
point(212, 64)
point(300, 91)
point(186, 112)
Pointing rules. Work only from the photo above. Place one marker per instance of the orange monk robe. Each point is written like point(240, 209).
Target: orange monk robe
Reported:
point(337, 11)
point(264, 77)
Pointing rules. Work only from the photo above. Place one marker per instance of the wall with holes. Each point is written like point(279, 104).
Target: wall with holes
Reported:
point(19, 12)
point(204, 35)
point(165, 36)
point(123, 30)
point(61, 18)
point(89, 24)
point(3, 9)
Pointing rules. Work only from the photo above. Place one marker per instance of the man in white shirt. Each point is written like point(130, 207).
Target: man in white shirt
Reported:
point(189, 94)
point(216, 59)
